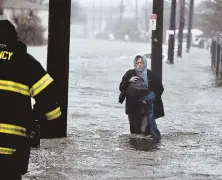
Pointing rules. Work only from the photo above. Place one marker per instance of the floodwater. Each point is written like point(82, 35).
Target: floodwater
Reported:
point(99, 146)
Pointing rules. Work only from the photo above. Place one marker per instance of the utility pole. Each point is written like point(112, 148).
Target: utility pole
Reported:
point(181, 28)
point(100, 22)
point(121, 12)
point(111, 17)
point(171, 42)
point(147, 21)
point(93, 17)
point(137, 19)
point(157, 39)
point(190, 24)
point(58, 63)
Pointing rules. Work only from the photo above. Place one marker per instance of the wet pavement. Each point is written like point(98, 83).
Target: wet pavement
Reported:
point(99, 146)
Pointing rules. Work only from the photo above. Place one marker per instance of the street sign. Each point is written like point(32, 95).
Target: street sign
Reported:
point(153, 18)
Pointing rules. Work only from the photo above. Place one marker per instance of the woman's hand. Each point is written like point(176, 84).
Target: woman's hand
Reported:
point(133, 79)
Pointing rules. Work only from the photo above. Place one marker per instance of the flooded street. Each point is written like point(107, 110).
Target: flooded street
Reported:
point(99, 146)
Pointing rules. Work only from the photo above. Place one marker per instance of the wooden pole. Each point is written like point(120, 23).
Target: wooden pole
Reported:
point(157, 39)
point(171, 43)
point(58, 60)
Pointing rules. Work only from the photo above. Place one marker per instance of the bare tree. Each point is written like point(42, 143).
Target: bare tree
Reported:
point(1, 10)
point(209, 16)
point(37, 1)
point(29, 27)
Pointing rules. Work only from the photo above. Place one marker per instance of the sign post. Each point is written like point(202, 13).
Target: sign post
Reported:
point(156, 20)
point(153, 18)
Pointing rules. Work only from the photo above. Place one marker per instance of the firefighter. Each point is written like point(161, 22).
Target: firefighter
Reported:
point(21, 78)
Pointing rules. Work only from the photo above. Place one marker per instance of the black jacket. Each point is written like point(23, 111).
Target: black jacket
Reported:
point(22, 77)
point(133, 106)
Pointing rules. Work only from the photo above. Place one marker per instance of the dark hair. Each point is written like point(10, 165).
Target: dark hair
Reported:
point(138, 56)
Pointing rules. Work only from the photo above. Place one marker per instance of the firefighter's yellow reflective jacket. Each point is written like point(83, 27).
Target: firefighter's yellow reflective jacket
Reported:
point(22, 77)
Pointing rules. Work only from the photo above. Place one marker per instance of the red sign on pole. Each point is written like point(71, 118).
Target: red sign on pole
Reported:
point(153, 18)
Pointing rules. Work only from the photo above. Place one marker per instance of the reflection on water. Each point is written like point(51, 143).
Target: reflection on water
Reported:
point(138, 142)
point(143, 143)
